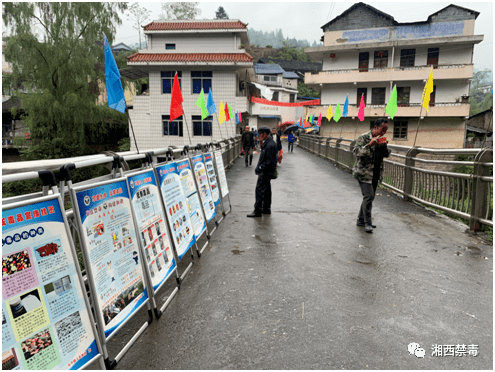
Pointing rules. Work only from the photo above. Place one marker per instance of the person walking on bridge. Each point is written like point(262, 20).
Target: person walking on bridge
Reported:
point(247, 140)
point(265, 170)
point(370, 149)
point(291, 139)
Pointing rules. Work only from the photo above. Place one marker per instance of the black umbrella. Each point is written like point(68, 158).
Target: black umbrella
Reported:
point(292, 128)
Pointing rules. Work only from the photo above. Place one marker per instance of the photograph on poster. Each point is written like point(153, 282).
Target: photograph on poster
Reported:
point(36, 343)
point(9, 359)
point(68, 325)
point(25, 303)
point(56, 288)
point(98, 228)
point(121, 301)
point(50, 249)
point(15, 262)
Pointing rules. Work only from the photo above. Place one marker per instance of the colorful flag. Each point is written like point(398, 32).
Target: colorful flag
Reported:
point(329, 113)
point(200, 102)
point(346, 106)
point(300, 122)
point(227, 114)
point(307, 117)
point(115, 92)
point(312, 118)
point(319, 120)
point(240, 117)
point(361, 109)
point(428, 89)
point(230, 112)
point(176, 109)
point(221, 114)
point(391, 108)
point(211, 105)
point(336, 116)
point(236, 117)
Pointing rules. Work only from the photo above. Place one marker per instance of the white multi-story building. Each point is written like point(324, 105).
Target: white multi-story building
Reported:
point(206, 54)
point(366, 52)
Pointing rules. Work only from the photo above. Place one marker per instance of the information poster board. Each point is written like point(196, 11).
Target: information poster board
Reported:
point(222, 178)
point(111, 247)
point(45, 319)
point(176, 207)
point(193, 204)
point(212, 178)
point(204, 187)
point(151, 224)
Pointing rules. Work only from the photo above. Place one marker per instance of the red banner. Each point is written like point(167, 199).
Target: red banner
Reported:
point(263, 101)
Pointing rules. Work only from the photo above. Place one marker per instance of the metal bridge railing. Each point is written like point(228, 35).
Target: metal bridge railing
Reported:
point(464, 195)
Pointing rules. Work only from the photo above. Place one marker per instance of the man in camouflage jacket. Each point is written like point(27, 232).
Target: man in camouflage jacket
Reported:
point(368, 169)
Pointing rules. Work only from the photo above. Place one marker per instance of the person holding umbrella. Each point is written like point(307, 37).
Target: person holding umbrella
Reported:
point(291, 139)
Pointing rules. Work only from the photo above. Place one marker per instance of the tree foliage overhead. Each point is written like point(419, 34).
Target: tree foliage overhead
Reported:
point(180, 11)
point(276, 39)
point(138, 15)
point(221, 13)
point(479, 101)
point(55, 71)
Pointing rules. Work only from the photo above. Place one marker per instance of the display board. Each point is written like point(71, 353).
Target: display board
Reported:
point(193, 204)
point(151, 224)
point(45, 319)
point(204, 187)
point(222, 178)
point(112, 253)
point(176, 207)
point(212, 178)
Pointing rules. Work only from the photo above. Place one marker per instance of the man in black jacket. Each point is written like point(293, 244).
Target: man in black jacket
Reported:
point(248, 144)
point(267, 165)
point(276, 137)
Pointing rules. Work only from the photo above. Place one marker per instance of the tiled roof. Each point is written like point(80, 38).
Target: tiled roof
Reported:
point(290, 75)
point(293, 65)
point(190, 57)
point(195, 25)
point(261, 68)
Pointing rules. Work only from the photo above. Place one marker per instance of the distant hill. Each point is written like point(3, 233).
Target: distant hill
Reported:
point(275, 39)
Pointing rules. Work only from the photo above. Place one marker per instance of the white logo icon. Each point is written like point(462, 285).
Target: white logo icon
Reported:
point(86, 200)
point(415, 349)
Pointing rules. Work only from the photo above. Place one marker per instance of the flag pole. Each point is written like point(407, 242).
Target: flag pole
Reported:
point(187, 126)
point(417, 128)
point(218, 121)
point(132, 128)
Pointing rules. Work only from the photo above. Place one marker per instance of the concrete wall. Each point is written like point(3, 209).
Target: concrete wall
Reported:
point(433, 132)
point(194, 42)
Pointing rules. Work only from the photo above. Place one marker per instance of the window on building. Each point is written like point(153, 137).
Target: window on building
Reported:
point(172, 128)
point(432, 96)
point(433, 57)
point(403, 94)
point(407, 57)
point(378, 96)
point(170, 46)
point(275, 96)
point(168, 79)
point(202, 127)
point(381, 59)
point(360, 92)
point(400, 129)
point(201, 79)
point(364, 60)
point(292, 98)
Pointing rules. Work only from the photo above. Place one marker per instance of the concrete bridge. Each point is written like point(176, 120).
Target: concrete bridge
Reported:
point(305, 288)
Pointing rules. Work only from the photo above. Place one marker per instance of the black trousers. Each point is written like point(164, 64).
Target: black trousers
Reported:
point(248, 150)
point(368, 190)
point(263, 194)
point(291, 146)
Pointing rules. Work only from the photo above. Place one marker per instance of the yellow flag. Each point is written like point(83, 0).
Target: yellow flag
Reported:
point(306, 117)
point(329, 113)
point(428, 89)
point(221, 114)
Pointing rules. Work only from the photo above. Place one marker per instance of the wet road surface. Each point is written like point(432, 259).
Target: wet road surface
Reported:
point(305, 288)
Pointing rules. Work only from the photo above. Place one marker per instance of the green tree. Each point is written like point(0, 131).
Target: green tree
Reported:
point(304, 91)
point(221, 13)
point(180, 11)
point(291, 53)
point(138, 15)
point(479, 101)
point(55, 72)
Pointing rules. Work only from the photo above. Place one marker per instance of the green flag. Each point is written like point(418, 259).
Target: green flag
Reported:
point(337, 114)
point(230, 111)
point(200, 102)
point(391, 108)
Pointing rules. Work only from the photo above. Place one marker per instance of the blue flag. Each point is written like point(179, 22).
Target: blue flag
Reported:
point(210, 105)
point(346, 106)
point(236, 117)
point(115, 93)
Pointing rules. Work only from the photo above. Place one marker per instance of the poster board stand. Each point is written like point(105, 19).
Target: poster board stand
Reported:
point(222, 179)
point(135, 294)
point(55, 316)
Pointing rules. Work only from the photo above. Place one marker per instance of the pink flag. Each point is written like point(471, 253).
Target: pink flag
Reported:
point(240, 118)
point(361, 109)
point(319, 120)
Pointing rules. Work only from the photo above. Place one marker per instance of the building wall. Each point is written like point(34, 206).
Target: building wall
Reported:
point(433, 132)
point(194, 42)
point(148, 110)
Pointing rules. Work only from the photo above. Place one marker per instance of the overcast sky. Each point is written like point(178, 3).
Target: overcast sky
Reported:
point(303, 20)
